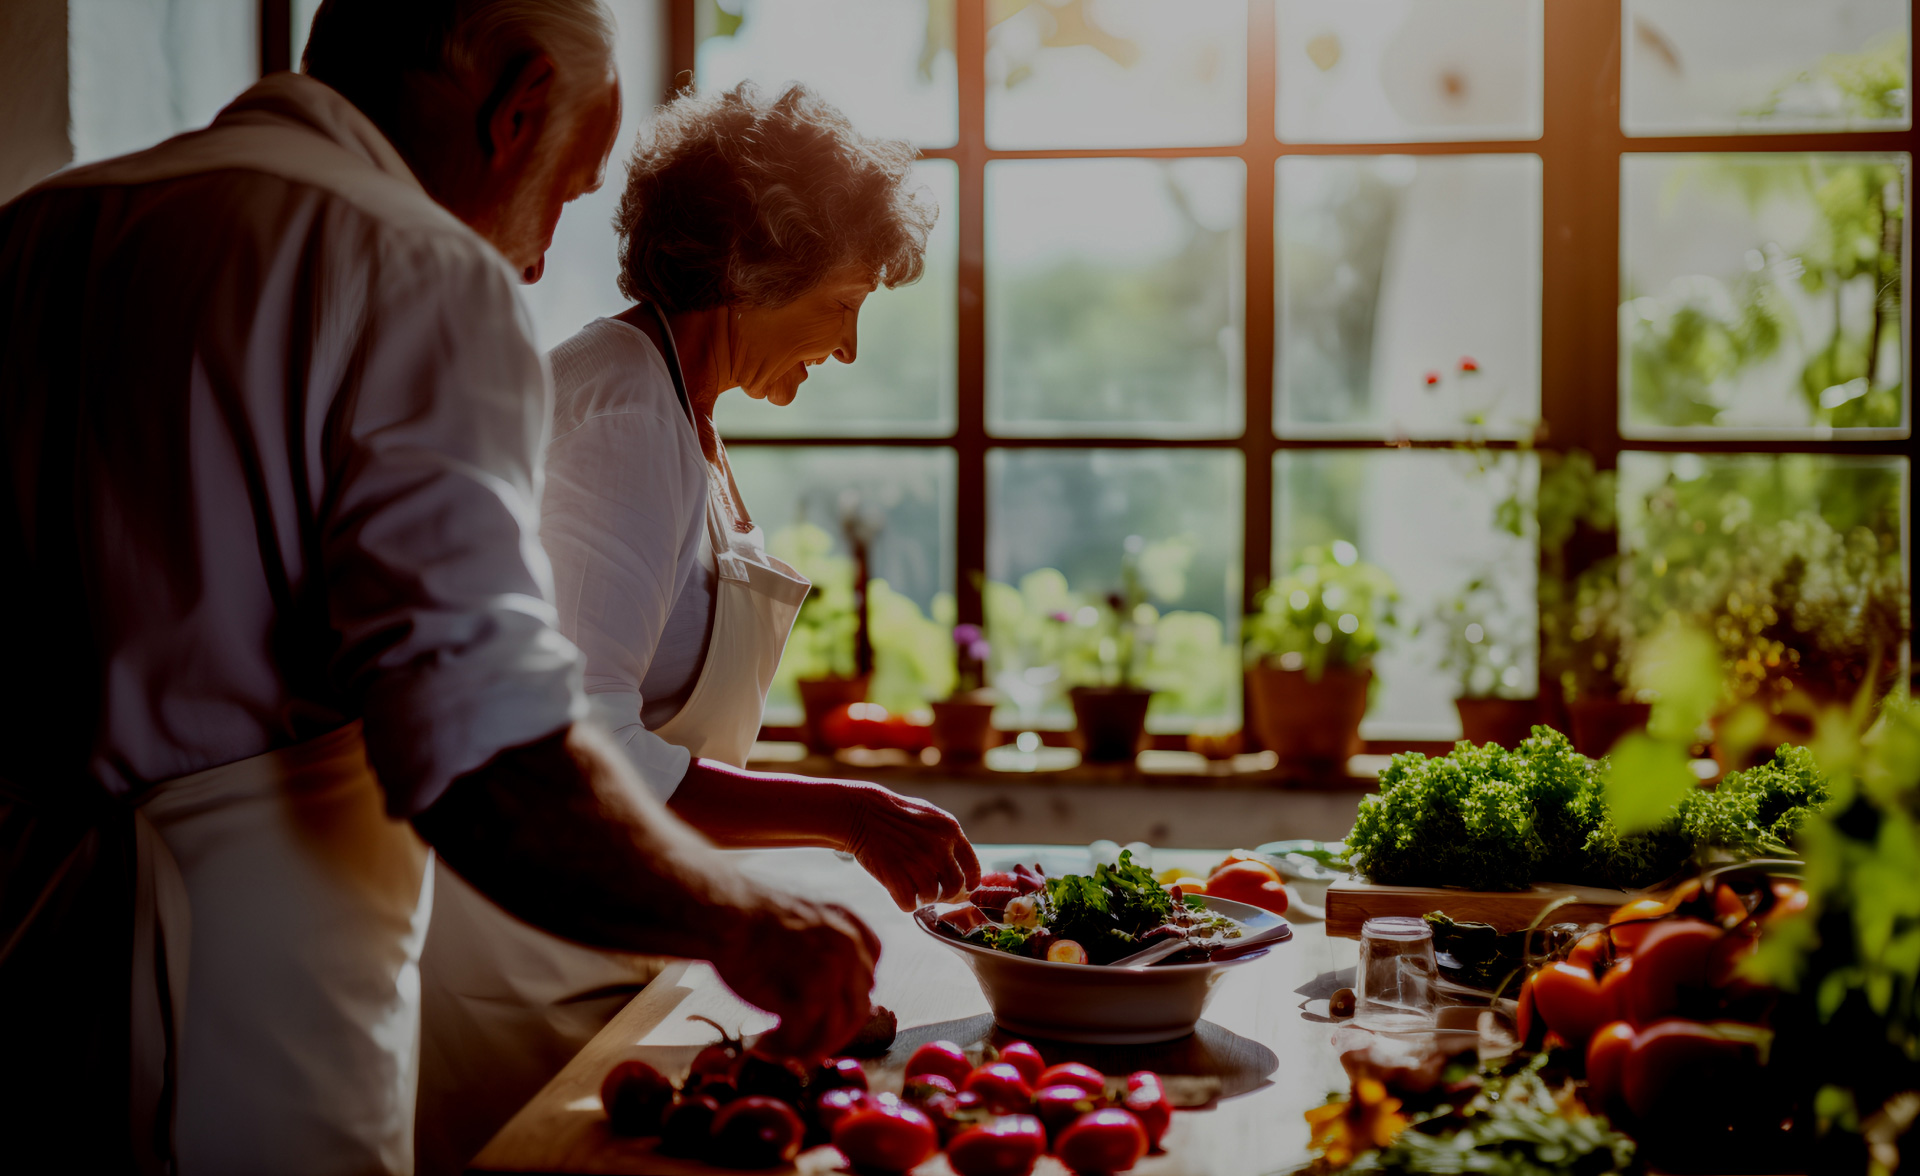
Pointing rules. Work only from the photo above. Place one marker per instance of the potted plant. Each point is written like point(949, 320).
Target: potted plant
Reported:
point(1496, 698)
point(1586, 628)
point(1309, 650)
point(1110, 710)
point(963, 722)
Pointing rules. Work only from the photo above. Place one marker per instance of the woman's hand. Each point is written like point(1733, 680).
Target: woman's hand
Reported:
point(915, 849)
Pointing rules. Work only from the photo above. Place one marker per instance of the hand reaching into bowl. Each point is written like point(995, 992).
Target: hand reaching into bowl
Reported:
point(915, 849)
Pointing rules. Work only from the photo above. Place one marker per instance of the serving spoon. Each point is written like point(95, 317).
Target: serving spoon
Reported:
point(1258, 941)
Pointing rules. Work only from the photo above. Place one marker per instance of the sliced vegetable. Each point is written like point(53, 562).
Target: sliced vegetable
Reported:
point(1066, 951)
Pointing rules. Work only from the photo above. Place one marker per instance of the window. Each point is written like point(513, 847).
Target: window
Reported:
point(1221, 284)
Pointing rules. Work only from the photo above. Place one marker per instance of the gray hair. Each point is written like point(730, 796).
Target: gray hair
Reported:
point(367, 49)
point(737, 197)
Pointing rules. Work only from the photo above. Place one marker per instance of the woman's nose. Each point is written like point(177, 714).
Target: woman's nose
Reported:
point(849, 340)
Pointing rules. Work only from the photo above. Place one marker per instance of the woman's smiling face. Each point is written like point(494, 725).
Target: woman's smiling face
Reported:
point(772, 347)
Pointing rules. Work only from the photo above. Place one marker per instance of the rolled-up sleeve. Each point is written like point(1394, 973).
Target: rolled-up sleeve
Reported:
point(438, 588)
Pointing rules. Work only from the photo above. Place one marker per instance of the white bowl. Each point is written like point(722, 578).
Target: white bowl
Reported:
point(1096, 1004)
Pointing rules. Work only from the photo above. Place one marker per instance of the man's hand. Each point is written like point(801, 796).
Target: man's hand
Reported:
point(916, 850)
point(811, 964)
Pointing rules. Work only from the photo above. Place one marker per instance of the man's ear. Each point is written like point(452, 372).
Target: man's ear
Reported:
point(513, 120)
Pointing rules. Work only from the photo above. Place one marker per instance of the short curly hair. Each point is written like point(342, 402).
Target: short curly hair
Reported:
point(735, 198)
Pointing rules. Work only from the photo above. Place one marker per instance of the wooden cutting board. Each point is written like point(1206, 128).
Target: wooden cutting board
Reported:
point(1352, 902)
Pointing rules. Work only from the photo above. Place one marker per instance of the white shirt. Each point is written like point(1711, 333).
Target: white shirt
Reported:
point(273, 450)
point(624, 521)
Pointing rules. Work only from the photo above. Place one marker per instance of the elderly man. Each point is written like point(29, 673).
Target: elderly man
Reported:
point(272, 424)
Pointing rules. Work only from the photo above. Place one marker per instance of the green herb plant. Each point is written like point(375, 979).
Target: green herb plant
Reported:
point(1332, 610)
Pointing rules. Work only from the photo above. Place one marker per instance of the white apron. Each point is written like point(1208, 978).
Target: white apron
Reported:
point(278, 920)
point(507, 1005)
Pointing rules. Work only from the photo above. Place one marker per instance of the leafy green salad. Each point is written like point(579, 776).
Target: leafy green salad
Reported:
point(1101, 917)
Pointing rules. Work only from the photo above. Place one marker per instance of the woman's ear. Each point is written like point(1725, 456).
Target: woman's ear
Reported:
point(513, 120)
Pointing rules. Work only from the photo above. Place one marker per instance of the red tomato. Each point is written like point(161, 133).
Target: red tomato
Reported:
point(1075, 1074)
point(1606, 1064)
point(1671, 965)
point(1685, 1069)
point(1729, 907)
point(943, 1058)
point(636, 1096)
point(1588, 952)
point(886, 1137)
point(1147, 1099)
point(1000, 1087)
point(1100, 1142)
point(836, 1104)
point(837, 1072)
point(1527, 1017)
point(1007, 1146)
point(1060, 1106)
point(1570, 1002)
point(1613, 985)
point(1631, 921)
point(1250, 882)
point(921, 1087)
point(687, 1129)
point(756, 1132)
point(1026, 1059)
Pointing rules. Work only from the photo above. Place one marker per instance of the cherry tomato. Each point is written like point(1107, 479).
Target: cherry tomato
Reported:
point(836, 1104)
point(718, 1059)
point(1627, 925)
point(943, 1058)
point(886, 1138)
point(636, 1097)
point(1570, 1002)
point(1685, 1069)
point(838, 1072)
point(1613, 986)
point(1253, 883)
point(954, 1113)
point(1147, 1099)
point(1606, 1065)
point(760, 1076)
point(1024, 1058)
point(687, 1130)
point(1670, 967)
point(1075, 1074)
point(1008, 1146)
point(1100, 1142)
point(756, 1132)
point(1000, 1087)
point(1059, 1107)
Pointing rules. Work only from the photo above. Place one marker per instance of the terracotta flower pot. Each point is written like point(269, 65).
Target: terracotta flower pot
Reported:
point(818, 696)
point(1312, 725)
point(1109, 722)
point(1504, 721)
point(963, 727)
point(1598, 723)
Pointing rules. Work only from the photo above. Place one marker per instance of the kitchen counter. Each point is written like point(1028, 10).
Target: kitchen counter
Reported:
point(1265, 1038)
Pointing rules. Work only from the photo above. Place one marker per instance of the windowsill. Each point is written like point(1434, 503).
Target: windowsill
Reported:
point(1052, 767)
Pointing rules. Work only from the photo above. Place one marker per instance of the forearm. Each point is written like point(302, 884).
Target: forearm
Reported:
point(562, 834)
point(739, 809)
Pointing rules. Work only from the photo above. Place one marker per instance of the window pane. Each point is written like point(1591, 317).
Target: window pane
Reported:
point(1114, 297)
point(1714, 66)
point(1061, 527)
point(901, 383)
point(887, 64)
point(803, 499)
point(1432, 520)
point(1410, 295)
point(1404, 71)
point(1763, 294)
point(140, 73)
point(1797, 563)
point(1119, 73)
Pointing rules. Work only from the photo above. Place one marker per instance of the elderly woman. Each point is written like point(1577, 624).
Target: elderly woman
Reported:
point(753, 229)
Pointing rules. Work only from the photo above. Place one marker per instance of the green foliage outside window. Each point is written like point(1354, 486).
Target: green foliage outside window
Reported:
point(1332, 610)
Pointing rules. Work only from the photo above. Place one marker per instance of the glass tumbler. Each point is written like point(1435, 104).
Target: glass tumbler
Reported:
point(1396, 973)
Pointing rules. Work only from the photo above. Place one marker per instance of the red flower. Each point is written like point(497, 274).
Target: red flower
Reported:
point(1469, 364)
point(1433, 378)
